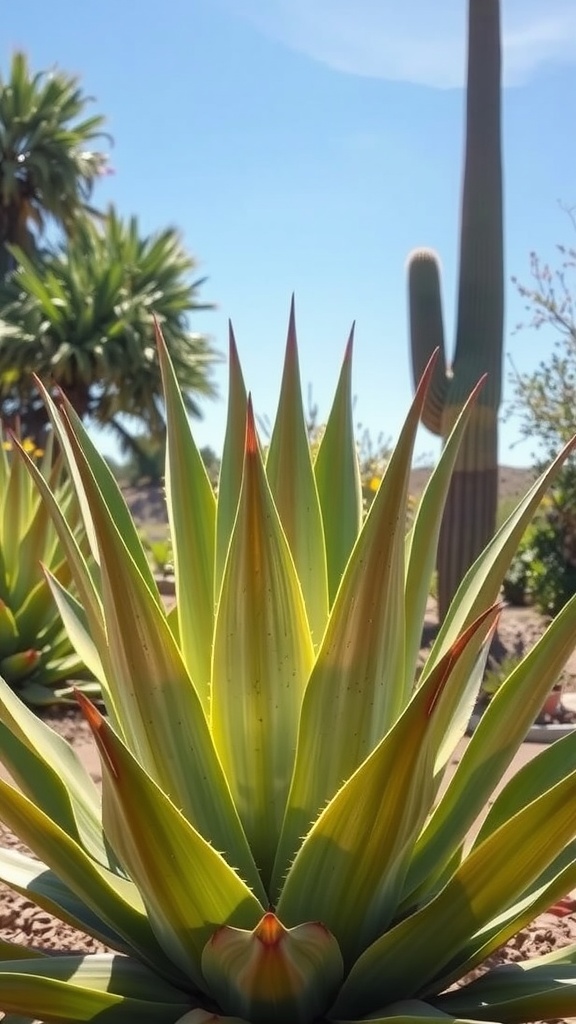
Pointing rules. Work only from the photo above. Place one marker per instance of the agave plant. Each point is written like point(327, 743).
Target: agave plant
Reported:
point(36, 656)
point(275, 843)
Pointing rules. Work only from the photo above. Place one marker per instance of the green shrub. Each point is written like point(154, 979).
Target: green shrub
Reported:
point(160, 554)
point(37, 658)
point(496, 674)
point(543, 572)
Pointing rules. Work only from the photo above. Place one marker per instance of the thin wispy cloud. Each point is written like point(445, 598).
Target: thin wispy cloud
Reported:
point(419, 41)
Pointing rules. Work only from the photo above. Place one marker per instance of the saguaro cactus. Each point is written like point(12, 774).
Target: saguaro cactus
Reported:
point(470, 514)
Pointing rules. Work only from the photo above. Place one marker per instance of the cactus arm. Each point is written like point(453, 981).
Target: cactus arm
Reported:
point(427, 332)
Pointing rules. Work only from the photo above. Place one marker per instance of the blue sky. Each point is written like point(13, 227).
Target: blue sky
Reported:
point(308, 146)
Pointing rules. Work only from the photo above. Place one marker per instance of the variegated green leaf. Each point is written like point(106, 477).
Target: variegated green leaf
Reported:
point(291, 477)
point(4, 475)
point(187, 886)
point(16, 1018)
point(33, 880)
point(357, 687)
point(489, 879)
point(207, 1017)
point(512, 993)
point(35, 608)
point(17, 514)
point(422, 539)
point(498, 736)
point(67, 424)
point(262, 659)
point(338, 478)
point(538, 899)
point(85, 577)
point(37, 544)
point(112, 898)
point(192, 516)
point(542, 772)
point(558, 878)
point(111, 493)
point(481, 584)
point(232, 462)
point(452, 721)
point(413, 1011)
point(49, 771)
point(78, 629)
point(14, 951)
point(164, 724)
point(76, 988)
point(350, 867)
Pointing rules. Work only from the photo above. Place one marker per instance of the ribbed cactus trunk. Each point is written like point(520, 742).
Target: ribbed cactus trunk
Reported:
point(469, 519)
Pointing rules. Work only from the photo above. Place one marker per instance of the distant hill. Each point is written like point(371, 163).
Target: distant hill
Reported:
point(513, 481)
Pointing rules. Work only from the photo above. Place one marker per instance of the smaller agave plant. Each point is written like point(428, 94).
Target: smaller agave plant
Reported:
point(37, 658)
point(279, 839)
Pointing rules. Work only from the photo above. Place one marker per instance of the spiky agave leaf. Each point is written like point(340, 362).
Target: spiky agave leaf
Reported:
point(275, 840)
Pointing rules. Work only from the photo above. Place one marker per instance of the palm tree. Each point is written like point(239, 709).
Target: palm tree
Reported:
point(47, 168)
point(83, 320)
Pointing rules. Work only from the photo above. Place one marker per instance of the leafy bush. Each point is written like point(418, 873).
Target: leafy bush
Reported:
point(545, 403)
point(36, 656)
point(496, 674)
point(543, 571)
point(160, 553)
